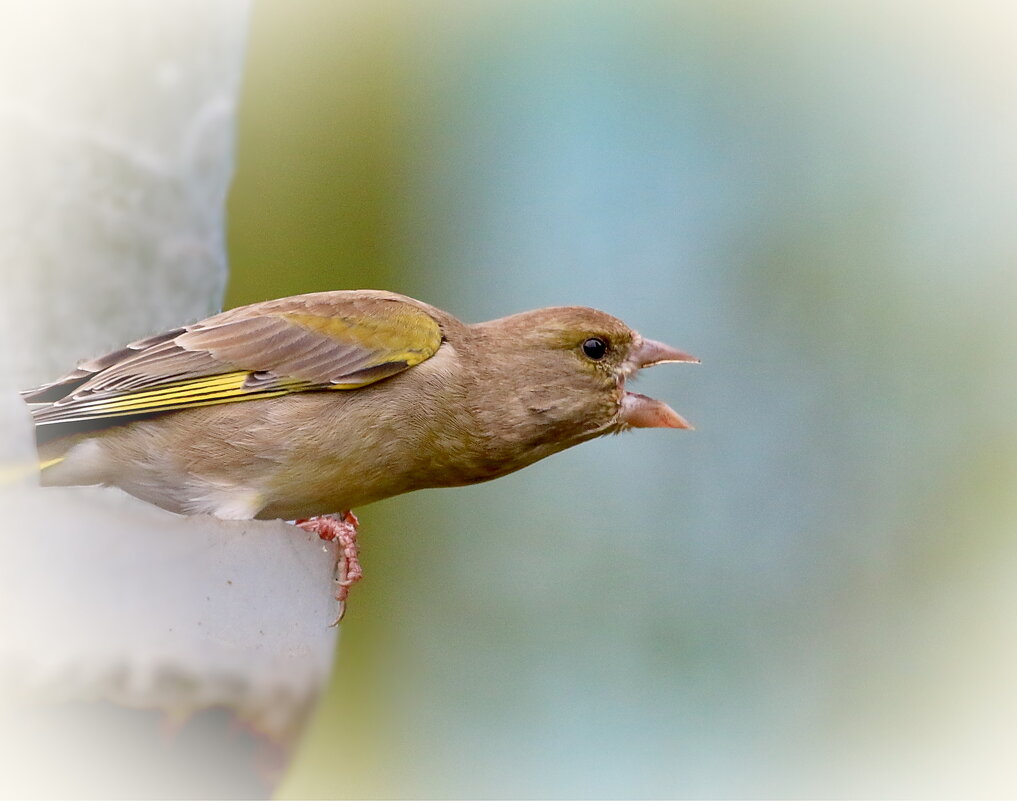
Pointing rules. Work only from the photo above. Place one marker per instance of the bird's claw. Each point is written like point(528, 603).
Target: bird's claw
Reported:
point(342, 530)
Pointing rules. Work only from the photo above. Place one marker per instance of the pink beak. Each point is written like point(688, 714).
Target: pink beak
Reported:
point(651, 352)
point(640, 411)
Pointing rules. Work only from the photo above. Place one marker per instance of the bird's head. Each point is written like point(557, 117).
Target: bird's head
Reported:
point(567, 368)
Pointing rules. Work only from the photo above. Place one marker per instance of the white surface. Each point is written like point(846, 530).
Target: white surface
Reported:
point(116, 129)
point(110, 598)
point(116, 151)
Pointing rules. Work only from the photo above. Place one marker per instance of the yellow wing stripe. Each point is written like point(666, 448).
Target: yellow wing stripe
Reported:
point(212, 400)
point(199, 391)
point(223, 388)
point(218, 380)
point(228, 384)
point(132, 406)
point(204, 401)
point(220, 389)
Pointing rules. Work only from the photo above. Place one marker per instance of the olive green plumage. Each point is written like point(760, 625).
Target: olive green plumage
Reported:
point(324, 402)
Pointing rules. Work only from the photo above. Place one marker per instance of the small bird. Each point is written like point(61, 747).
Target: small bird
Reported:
point(303, 408)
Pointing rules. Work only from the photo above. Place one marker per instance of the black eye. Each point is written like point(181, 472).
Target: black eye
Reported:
point(595, 348)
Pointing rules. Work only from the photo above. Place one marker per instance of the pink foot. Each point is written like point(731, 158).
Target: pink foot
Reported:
point(342, 530)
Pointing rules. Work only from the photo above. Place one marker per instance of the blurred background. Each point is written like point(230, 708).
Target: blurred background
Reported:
point(813, 594)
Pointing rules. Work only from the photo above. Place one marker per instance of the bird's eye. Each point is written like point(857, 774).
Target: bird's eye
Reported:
point(595, 348)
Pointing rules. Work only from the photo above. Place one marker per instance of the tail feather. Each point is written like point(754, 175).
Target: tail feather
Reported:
point(18, 472)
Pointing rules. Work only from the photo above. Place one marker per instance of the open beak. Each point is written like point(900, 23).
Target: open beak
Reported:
point(639, 411)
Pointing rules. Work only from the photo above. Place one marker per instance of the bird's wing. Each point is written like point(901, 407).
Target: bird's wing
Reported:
point(326, 340)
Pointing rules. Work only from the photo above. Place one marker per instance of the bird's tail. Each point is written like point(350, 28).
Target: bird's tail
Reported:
point(19, 471)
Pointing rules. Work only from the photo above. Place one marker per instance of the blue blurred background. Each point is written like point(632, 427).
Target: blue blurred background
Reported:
point(811, 594)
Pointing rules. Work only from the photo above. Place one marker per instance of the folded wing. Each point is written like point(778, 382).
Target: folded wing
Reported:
point(322, 341)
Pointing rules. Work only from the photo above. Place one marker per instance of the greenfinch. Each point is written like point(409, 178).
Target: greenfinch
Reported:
point(315, 404)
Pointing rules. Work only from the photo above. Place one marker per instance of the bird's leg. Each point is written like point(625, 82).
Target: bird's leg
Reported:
point(342, 530)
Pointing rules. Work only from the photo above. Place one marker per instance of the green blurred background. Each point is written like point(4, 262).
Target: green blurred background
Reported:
point(814, 592)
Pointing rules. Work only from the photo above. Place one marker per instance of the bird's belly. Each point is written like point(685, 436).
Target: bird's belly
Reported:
point(312, 490)
point(295, 457)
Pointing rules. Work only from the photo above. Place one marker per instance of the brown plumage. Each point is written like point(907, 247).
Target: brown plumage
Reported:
point(323, 402)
